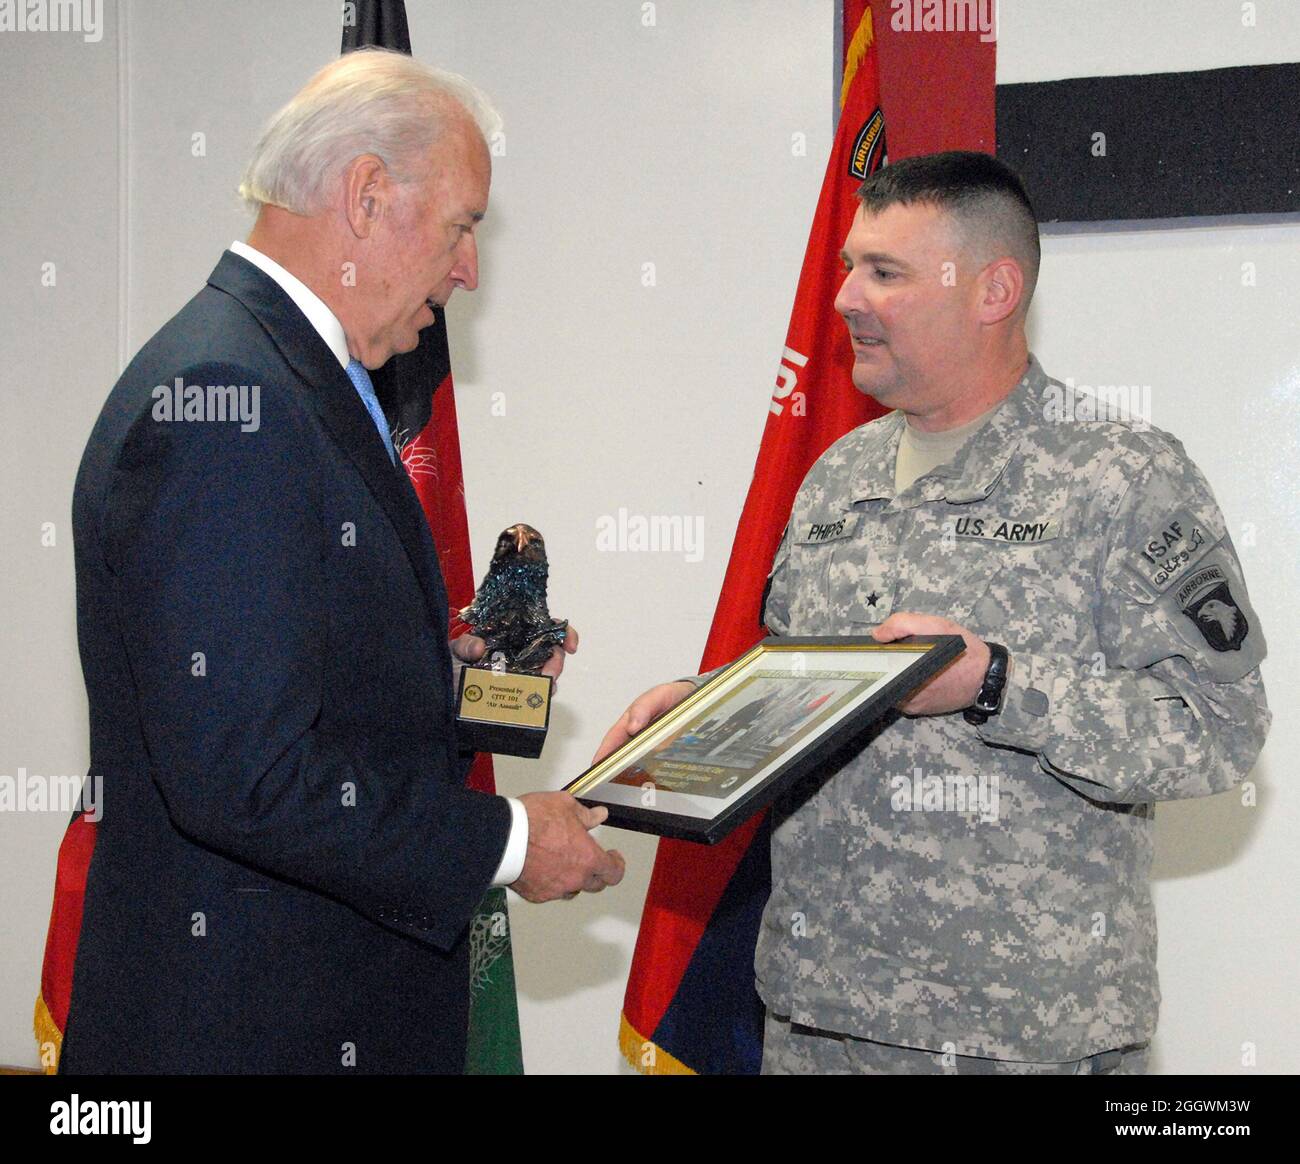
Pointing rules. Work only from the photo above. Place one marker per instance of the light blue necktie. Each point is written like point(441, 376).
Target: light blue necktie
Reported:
point(366, 390)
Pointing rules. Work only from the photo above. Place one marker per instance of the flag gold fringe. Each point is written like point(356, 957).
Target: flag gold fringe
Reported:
point(47, 1031)
point(856, 53)
point(634, 1047)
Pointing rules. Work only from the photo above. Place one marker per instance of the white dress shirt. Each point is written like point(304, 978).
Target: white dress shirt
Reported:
point(330, 330)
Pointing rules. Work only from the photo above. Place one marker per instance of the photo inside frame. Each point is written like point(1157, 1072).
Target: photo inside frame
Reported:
point(765, 714)
point(725, 741)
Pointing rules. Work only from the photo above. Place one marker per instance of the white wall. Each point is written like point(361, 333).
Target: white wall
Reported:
point(1166, 307)
point(625, 145)
point(58, 356)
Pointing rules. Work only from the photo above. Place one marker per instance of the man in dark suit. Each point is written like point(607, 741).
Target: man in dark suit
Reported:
point(288, 856)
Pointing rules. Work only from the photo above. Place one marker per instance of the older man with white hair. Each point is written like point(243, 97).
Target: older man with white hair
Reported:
point(289, 857)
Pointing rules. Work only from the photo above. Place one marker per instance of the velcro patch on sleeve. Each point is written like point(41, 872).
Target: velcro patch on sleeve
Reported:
point(1206, 598)
point(1212, 613)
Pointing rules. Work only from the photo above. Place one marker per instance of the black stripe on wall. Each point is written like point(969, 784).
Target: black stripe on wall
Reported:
point(1220, 141)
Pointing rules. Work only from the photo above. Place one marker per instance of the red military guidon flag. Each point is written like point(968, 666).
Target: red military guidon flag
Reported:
point(691, 1006)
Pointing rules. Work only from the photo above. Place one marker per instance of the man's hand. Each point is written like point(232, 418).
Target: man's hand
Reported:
point(957, 685)
point(562, 859)
point(645, 709)
point(470, 649)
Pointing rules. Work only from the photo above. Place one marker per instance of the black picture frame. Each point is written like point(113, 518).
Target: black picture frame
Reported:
point(765, 721)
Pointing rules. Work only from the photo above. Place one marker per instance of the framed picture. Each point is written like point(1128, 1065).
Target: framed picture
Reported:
point(730, 748)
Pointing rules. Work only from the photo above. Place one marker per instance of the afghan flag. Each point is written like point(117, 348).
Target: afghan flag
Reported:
point(691, 1006)
point(432, 460)
point(51, 1018)
point(416, 393)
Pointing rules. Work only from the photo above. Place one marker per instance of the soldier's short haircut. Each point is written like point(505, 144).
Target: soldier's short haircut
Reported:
point(984, 197)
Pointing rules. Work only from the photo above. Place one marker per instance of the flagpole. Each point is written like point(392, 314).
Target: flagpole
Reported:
point(838, 77)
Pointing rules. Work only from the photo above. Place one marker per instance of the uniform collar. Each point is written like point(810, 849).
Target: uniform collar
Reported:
point(873, 476)
point(974, 472)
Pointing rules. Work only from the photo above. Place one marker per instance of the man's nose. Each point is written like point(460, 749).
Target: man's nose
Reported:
point(465, 272)
point(846, 300)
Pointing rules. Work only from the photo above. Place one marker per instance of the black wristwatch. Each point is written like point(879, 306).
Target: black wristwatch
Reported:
point(989, 701)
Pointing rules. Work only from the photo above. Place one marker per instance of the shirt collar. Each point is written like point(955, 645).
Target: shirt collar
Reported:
point(305, 299)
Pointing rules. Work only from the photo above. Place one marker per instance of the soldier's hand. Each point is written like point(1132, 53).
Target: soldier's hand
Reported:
point(957, 685)
point(562, 858)
point(645, 709)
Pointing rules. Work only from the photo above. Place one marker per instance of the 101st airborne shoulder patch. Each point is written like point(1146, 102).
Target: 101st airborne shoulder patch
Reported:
point(1207, 600)
point(1186, 565)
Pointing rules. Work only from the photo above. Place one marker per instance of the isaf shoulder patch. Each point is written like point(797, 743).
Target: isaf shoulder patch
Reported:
point(1167, 552)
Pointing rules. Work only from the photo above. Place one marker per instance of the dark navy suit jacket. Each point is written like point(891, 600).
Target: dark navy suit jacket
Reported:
point(288, 857)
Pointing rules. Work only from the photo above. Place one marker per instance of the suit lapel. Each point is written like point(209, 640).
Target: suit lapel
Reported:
point(336, 401)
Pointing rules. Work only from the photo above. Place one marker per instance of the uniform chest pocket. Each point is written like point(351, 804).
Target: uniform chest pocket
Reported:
point(830, 558)
point(812, 610)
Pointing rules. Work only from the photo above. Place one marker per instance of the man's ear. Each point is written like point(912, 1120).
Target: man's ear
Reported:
point(1001, 287)
point(366, 191)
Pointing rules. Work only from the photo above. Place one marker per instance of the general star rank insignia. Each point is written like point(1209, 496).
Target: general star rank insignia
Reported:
point(1207, 601)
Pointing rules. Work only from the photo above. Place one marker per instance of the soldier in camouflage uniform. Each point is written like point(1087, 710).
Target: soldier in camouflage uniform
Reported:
point(1092, 549)
point(974, 897)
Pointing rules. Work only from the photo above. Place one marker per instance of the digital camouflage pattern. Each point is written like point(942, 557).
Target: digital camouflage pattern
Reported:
point(985, 890)
point(789, 1049)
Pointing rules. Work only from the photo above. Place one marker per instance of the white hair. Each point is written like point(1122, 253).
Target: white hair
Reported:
point(370, 101)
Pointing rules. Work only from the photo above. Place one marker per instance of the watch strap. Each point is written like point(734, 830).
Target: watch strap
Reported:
point(989, 700)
